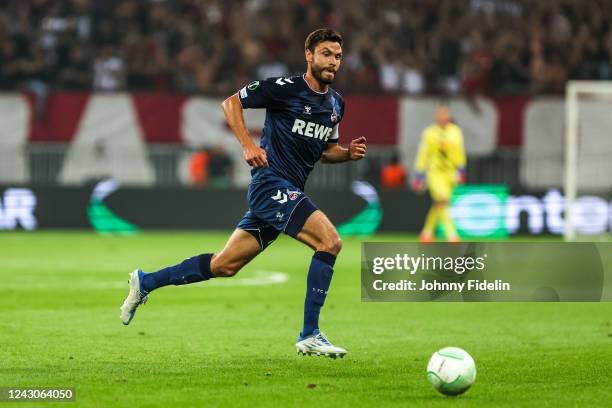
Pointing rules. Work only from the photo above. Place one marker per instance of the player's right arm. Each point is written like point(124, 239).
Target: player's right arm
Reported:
point(254, 155)
point(459, 157)
point(422, 157)
point(421, 162)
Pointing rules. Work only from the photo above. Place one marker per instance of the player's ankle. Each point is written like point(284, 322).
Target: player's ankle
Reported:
point(426, 236)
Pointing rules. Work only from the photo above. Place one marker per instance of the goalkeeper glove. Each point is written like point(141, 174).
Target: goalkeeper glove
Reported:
point(461, 175)
point(418, 181)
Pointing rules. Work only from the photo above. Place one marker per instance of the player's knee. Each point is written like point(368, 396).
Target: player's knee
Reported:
point(333, 245)
point(336, 245)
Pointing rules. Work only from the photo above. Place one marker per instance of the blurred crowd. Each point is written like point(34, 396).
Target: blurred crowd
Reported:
point(215, 46)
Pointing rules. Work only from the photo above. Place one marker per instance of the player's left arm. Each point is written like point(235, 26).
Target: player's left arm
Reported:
point(334, 153)
point(459, 157)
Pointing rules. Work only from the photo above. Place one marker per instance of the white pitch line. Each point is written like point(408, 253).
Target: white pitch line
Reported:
point(32, 264)
point(255, 278)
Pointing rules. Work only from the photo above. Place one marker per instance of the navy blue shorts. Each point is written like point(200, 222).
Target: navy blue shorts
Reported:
point(275, 206)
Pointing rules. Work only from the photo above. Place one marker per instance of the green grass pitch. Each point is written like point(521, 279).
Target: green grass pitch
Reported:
point(231, 344)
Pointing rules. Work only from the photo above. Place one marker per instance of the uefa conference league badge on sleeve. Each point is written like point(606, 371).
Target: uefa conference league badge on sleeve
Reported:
point(486, 272)
point(250, 87)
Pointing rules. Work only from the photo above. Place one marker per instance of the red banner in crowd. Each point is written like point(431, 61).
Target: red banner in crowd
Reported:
point(161, 117)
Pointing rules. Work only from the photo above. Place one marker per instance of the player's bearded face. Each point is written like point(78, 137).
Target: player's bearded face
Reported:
point(325, 61)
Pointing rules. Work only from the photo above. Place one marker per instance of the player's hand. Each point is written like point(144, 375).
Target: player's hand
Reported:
point(461, 177)
point(418, 182)
point(255, 156)
point(357, 148)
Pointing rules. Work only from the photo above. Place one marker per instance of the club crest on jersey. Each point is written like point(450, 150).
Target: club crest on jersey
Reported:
point(293, 195)
point(307, 110)
point(334, 116)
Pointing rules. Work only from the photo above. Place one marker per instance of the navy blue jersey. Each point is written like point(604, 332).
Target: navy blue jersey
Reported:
point(300, 123)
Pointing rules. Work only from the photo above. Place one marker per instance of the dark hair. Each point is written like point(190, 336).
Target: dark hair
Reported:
point(320, 35)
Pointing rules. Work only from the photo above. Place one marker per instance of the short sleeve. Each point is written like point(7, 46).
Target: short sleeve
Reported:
point(258, 94)
point(335, 135)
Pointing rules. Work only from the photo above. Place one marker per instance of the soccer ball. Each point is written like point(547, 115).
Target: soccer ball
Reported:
point(451, 371)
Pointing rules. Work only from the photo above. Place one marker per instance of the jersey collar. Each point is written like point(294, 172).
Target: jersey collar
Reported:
point(308, 85)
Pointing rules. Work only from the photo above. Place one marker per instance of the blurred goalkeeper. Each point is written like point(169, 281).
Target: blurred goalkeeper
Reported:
point(440, 164)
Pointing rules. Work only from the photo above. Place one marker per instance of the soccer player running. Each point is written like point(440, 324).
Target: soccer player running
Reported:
point(301, 127)
point(440, 163)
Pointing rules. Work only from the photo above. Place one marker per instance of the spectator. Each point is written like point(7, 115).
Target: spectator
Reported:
point(198, 167)
point(393, 175)
point(448, 55)
point(76, 73)
point(509, 74)
point(391, 72)
point(109, 71)
point(413, 79)
point(499, 46)
point(10, 66)
point(220, 167)
point(271, 68)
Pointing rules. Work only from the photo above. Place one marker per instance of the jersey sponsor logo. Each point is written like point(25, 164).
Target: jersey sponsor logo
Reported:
point(311, 129)
point(253, 85)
